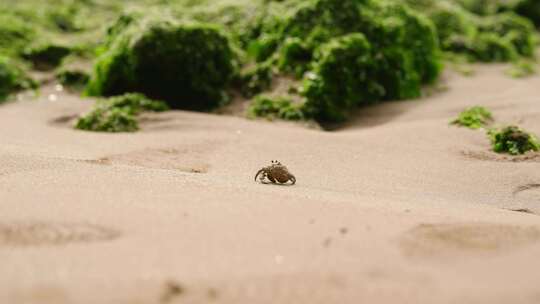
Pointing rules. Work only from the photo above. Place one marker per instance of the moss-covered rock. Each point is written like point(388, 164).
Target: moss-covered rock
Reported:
point(46, 56)
point(343, 78)
point(15, 33)
point(522, 68)
point(456, 27)
point(262, 48)
point(484, 33)
point(108, 120)
point(529, 9)
point(474, 118)
point(275, 107)
point(294, 57)
point(353, 52)
point(485, 7)
point(401, 55)
point(73, 78)
point(489, 47)
point(118, 114)
point(511, 28)
point(12, 78)
point(66, 18)
point(256, 79)
point(513, 140)
point(186, 64)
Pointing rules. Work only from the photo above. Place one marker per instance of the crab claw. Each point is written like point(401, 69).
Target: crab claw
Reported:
point(293, 179)
point(258, 172)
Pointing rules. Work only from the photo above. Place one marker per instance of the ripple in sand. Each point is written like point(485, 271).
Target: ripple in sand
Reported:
point(43, 233)
point(492, 156)
point(439, 240)
point(522, 210)
point(528, 191)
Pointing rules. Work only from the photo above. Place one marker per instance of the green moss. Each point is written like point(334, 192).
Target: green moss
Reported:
point(256, 79)
point(489, 47)
point(342, 78)
point(474, 118)
point(133, 103)
point(12, 78)
point(46, 56)
point(460, 63)
point(261, 49)
point(456, 27)
point(65, 18)
point(406, 31)
point(485, 7)
point(522, 68)
point(73, 78)
point(187, 65)
point(529, 9)
point(483, 30)
point(513, 29)
point(271, 108)
point(513, 140)
point(118, 114)
point(356, 52)
point(108, 120)
point(294, 57)
point(15, 33)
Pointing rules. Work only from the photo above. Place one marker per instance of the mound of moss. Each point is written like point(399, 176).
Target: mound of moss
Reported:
point(255, 79)
point(75, 79)
point(188, 65)
point(498, 36)
point(350, 52)
point(12, 78)
point(46, 56)
point(275, 107)
point(513, 140)
point(66, 18)
point(522, 68)
point(474, 118)
point(342, 77)
point(15, 33)
point(486, 7)
point(529, 9)
point(118, 114)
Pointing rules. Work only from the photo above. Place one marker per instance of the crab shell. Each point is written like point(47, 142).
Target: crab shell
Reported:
point(277, 172)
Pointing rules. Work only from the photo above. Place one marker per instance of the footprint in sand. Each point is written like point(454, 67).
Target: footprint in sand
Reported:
point(46, 233)
point(64, 120)
point(189, 160)
point(445, 240)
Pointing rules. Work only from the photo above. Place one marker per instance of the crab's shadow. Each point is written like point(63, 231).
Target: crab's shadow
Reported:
point(276, 184)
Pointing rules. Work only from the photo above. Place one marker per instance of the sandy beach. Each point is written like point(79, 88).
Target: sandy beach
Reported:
point(396, 206)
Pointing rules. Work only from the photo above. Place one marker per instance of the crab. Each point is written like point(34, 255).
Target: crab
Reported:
point(276, 173)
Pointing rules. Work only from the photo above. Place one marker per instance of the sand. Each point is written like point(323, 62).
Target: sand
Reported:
point(394, 207)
